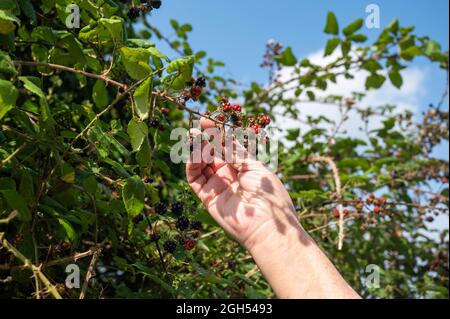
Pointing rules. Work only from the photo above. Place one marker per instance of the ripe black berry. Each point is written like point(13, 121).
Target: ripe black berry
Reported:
point(201, 82)
point(170, 246)
point(196, 225)
point(177, 208)
point(133, 13)
point(155, 236)
point(139, 218)
point(155, 122)
point(160, 208)
point(156, 4)
point(182, 223)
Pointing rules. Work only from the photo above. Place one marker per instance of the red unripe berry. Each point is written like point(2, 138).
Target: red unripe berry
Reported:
point(165, 111)
point(444, 180)
point(221, 117)
point(336, 213)
point(371, 196)
point(189, 244)
point(382, 200)
point(377, 209)
point(266, 120)
point(256, 128)
point(237, 107)
point(196, 91)
point(227, 107)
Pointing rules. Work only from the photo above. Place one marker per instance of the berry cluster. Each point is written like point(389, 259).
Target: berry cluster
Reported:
point(233, 112)
point(196, 89)
point(144, 7)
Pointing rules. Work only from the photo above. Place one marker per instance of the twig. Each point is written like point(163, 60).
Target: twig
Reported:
point(337, 182)
point(89, 273)
point(11, 156)
point(10, 217)
point(27, 263)
point(73, 70)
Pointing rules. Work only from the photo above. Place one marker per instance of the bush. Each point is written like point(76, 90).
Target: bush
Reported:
point(86, 175)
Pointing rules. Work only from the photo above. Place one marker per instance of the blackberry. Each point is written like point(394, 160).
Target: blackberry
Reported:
point(133, 13)
point(182, 223)
point(160, 208)
point(155, 237)
point(201, 82)
point(156, 4)
point(196, 225)
point(155, 122)
point(139, 218)
point(177, 208)
point(170, 246)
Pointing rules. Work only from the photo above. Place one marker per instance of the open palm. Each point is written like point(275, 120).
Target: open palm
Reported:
point(244, 197)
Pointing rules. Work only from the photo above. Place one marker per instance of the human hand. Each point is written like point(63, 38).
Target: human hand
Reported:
point(244, 197)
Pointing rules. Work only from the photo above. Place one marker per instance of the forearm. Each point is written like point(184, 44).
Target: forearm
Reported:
point(295, 266)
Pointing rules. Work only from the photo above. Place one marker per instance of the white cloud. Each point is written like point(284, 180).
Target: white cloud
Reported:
point(406, 98)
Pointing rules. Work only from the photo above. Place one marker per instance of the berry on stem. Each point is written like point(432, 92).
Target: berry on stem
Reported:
point(182, 223)
point(160, 208)
point(177, 208)
point(170, 246)
point(189, 244)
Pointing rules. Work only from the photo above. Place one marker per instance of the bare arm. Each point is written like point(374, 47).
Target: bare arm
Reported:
point(252, 205)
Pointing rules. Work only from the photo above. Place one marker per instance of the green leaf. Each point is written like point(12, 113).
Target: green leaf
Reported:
point(332, 26)
point(6, 64)
point(353, 27)
point(411, 52)
point(135, 61)
point(100, 94)
point(432, 47)
point(7, 21)
point(7, 4)
point(332, 44)
point(396, 78)
point(8, 97)
point(32, 84)
point(142, 98)
point(375, 81)
point(181, 70)
point(15, 201)
point(345, 47)
point(133, 195)
point(287, 58)
point(137, 131)
point(371, 65)
point(143, 156)
point(27, 8)
point(69, 230)
point(393, 26)
point(358, 38)
point(155, 52)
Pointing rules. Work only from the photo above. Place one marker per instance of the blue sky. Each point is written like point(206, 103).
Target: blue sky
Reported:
point(236, 31)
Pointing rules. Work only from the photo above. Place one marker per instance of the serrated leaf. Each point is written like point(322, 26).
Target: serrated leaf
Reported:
point(142, 98)
point(135, 61)
point(100, 94)
point(332, 26)
point(353, 27)
point(137, 131)
point(133, 195)
point(32, 84)
point(396, 79)
point(332, 44)
point(8, 97)
point(181, 71)
point(287, 58)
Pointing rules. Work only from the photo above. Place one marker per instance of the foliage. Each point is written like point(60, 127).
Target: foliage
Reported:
point(85, 116)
